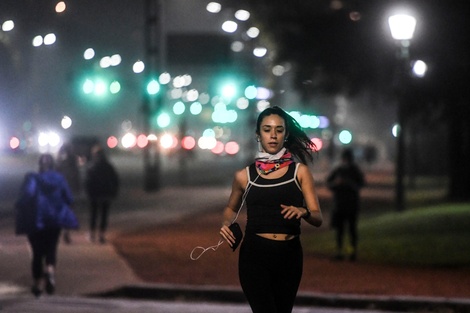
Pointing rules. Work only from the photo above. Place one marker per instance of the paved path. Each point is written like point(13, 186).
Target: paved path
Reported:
point(86, 268)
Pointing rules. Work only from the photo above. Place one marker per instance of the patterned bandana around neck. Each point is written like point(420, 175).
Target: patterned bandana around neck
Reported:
point(267, 163)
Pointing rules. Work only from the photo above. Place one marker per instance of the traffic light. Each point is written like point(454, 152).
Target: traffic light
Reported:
point(100, 87)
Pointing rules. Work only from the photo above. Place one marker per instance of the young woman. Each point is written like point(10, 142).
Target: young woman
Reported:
point(42, 211)
point(279, 192)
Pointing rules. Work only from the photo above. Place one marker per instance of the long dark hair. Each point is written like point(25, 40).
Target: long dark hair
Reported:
point(297, 141)
point(46, 162)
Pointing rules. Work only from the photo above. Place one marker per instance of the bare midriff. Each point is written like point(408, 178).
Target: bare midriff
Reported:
point(278, 237)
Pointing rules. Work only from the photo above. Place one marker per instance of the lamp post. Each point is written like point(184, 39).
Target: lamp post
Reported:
point(155, 50)
point(402, 28)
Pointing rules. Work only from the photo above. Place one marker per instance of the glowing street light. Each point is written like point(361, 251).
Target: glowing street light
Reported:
point(402, 27)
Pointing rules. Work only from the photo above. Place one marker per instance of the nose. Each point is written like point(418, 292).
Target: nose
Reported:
point(273, 134)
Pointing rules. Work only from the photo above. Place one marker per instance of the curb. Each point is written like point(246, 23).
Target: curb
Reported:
point(235, 295)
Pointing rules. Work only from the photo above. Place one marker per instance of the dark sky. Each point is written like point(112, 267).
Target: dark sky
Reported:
point(42, 84)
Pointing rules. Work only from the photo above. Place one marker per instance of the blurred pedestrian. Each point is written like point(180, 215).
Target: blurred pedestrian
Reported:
point(345, 181)
point(102, 185)
point(43, 208)
point(67, 164)
point(279, 193)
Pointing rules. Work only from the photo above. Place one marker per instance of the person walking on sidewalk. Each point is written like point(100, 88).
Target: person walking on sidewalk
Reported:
point(279, 192)
point(67, 165)
point(102, 186)
point(345, 181)
point(43, 208)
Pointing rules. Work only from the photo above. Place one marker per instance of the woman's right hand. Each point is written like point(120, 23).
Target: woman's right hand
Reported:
point(227, 235)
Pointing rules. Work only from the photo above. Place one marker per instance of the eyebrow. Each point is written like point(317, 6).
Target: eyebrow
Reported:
point(269, 125)
point(276, 126)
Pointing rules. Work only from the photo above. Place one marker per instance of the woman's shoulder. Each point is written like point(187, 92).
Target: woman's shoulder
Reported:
point(241, 176)
point(303, 170)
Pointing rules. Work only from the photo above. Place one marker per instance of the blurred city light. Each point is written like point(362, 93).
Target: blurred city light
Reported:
point(419, 68)
point(229, 26)
point(60, 7)
point(163, 120)
point(153, 87)
point(237, 46)
point(191, 95)
point(66, 122)
point(48, 140)
point(345, 137)
point(263, 93)
point(179, 108)
point(14, 143)
point(142, 141)
point(168, 141)
point(218, 148)
point(195, 108)
point(37, 41)
point(260, 52)
point(251, 92)
point(252, 32)
point(214, 7)
point(129, 140)
point(395, 130)
point(99, 88)
point(232, 148)
point(188, 143)
point(262, 105)
point(112, 142)
point(89, 54)
point(164, 78)
point(402, 26)
point(207, 143)
point(228, 90)
point(50, 39)
point(278, 70)
point(318, 143)
point(8, 26)
point(115, 87)
point(243, 103)
point(242, 15)
point(152, 137)
point(138, 67)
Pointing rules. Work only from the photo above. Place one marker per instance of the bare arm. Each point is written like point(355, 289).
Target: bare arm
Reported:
point(238, 188)
point(311, 200)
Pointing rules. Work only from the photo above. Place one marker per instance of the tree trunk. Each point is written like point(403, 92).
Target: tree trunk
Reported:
point(459, 150)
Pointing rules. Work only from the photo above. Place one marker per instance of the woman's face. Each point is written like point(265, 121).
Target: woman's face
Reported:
point(272, 133)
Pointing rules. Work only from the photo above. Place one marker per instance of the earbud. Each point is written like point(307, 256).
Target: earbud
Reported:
point(257, 139)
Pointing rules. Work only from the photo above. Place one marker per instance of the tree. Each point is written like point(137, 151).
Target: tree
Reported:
point(343, 45)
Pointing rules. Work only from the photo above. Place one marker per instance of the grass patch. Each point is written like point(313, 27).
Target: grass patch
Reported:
point(428, 236)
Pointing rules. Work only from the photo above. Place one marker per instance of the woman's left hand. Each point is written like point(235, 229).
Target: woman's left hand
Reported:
point(290, 212)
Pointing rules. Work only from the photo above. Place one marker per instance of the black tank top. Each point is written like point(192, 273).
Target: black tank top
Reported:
point(264, 200)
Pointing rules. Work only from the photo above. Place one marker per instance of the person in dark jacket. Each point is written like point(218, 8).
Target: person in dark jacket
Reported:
point(42, 210)
point(67, 165)
point(345, 181)
point(102, 185)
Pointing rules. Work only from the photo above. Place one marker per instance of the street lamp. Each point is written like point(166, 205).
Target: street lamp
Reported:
point(402, 28)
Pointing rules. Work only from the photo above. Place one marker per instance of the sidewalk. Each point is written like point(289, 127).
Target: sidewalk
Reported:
point(86, 269)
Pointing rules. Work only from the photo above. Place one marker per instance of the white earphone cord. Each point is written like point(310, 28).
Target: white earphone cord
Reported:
point(221, 241)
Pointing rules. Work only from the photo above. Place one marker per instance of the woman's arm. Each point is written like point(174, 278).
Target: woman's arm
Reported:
point(238, 188)
point(307, 184)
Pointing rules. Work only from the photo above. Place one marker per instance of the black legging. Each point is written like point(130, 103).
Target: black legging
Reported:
point(100, 206)
point(44, 245)
point(270, 273)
